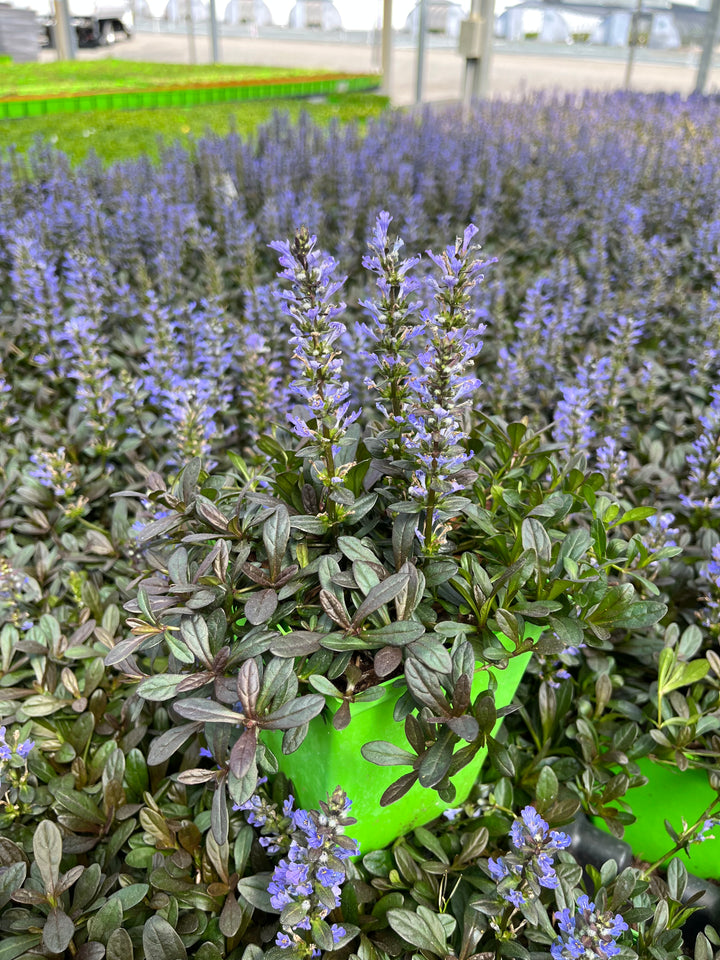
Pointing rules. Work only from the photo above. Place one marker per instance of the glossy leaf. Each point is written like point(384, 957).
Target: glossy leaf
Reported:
point(58, 931)
point(161, 942)
point(47, 849)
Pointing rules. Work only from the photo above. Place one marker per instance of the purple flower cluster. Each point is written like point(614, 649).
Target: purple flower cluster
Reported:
point(14, 748)
point(522, 872)
point(306, 883)
point(324, 414)
point(710, 613)
point(395, 325)
point(704, 460)
point(13, 588)
point(587, 934)
point(52, 470)
point(574, 418)
point(554, 671)
point(442, 392)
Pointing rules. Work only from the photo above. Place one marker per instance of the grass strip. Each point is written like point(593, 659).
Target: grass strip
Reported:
point(116, 135)
point(100, 76)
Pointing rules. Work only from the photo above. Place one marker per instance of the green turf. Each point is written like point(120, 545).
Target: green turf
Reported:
point(97, 76)
point(126, 134)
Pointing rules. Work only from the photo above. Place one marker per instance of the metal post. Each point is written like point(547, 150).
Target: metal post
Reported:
point(190, 26)
point(214, 39)
point(63, 32)
point(632, 42)
point(487, 12)
point(387, 48)
point(708, 45)
point(420, 51)
point(478, 56)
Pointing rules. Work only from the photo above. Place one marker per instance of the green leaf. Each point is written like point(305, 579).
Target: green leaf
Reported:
point(161, 687)
point(416, 930)
point(136, 773)
point(254, 890)
point(547, 786)
point(321, 934)
point(380, 595)
point(677, 877)
point(119, 946)
point(637, 513)
point(13, 947)
point(642, 613)
point(535, 537)
point(12, 878)
point(108, 918)
point(397, 634)
point(386, 754)
point(194, 632)
point(168, 743)
point(429, 840)
point(219, 814)
point(206, 711)
point(47, 848)
point(323, 686)
point(294, 713)
point(131, 895)
point(161, 942)
point(58, 931)
point(276, 533)
point(354, 549)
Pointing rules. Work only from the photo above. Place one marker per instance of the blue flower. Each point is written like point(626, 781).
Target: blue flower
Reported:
point(328, 877)
point(587, 933)
point(498, 869)
point(514, 897)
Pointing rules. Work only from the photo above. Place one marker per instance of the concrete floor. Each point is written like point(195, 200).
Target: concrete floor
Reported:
point(512, 74)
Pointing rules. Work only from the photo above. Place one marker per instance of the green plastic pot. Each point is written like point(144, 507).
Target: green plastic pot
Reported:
point(671, 794)
point(328, 758)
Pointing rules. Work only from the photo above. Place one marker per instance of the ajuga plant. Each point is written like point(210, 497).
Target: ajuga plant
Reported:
point(415, 551)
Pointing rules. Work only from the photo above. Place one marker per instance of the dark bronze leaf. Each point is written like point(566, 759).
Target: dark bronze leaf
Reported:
point(387, 660)
point(341, 719)
point(256, 574)
point(299, 643)
point(164, 746)
point(260, 607)
point(242, 754)
point(248, 687)
point(294, 713)
point(398, 789)
point(334, 608)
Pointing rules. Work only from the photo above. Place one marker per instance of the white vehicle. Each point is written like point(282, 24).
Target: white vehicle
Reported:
point(96, 22)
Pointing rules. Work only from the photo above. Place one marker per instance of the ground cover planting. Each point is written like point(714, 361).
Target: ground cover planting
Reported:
point(260, 457)
point(114, 135)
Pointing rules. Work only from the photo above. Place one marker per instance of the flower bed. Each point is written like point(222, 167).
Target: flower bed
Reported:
point(147, 384)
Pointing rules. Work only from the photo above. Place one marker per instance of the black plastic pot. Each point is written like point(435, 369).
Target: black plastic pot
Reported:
point(592, 846)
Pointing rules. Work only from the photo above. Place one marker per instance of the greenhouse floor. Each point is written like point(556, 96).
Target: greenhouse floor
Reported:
point(513, 73)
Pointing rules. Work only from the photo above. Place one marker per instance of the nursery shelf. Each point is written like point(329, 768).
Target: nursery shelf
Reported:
point(18, 108)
